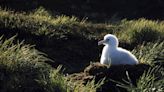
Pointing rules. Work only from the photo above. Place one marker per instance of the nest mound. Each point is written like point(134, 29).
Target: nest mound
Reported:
point(117, 73)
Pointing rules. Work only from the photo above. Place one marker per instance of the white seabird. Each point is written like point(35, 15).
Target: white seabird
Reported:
point(114, 55)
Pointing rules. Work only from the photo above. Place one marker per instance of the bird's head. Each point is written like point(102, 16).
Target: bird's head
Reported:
point(110, 40)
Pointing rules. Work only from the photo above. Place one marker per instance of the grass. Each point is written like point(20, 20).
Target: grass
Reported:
point(21, 65)
point(23, 68)
point(41, 22)
point(38, 22)
point(142, 30)
point(148, 82)
point(150, 53)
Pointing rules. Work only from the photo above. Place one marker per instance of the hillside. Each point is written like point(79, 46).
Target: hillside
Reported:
point(66, 41)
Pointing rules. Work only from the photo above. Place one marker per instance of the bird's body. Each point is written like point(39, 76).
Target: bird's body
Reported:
point(114, 55)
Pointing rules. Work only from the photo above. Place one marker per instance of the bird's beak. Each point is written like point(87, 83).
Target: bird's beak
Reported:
point(101, 42)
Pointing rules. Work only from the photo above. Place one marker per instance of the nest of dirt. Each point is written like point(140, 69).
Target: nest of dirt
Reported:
point(112, 75)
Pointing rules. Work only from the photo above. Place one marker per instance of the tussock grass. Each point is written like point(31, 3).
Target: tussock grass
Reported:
point(91, 86)
point(22, 68)
point(148, 82)
point(41, 22)
point(138, 31)
point(150, 53)
point(38, 22)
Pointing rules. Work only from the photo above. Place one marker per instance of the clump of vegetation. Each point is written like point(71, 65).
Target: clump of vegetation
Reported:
point(23, 68)
point(38, 22)
point(150, 53)
point(148, 82)
point(142, 30)
point(41, 22)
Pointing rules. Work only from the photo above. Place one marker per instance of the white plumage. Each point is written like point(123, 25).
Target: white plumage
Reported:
point(114, 55)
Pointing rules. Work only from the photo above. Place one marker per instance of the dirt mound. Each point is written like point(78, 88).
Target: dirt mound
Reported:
point(117, 73)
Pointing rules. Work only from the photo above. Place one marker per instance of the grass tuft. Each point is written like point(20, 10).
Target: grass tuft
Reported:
point(150, 53)
point(148, 82)
point(141, 30)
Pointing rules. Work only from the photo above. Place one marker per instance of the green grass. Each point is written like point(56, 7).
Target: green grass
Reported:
point(141, 30)
point(41, 22)
point(150, 53)
point(21, 65)
point(148, 82)
point(38, 22)
point(22, 68)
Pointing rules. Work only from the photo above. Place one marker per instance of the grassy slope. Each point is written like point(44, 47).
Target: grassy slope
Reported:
point(62, 35)
point(67, 40)
point(22, 69)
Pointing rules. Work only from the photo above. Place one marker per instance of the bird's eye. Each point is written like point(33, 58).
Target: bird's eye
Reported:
point(108, 39)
